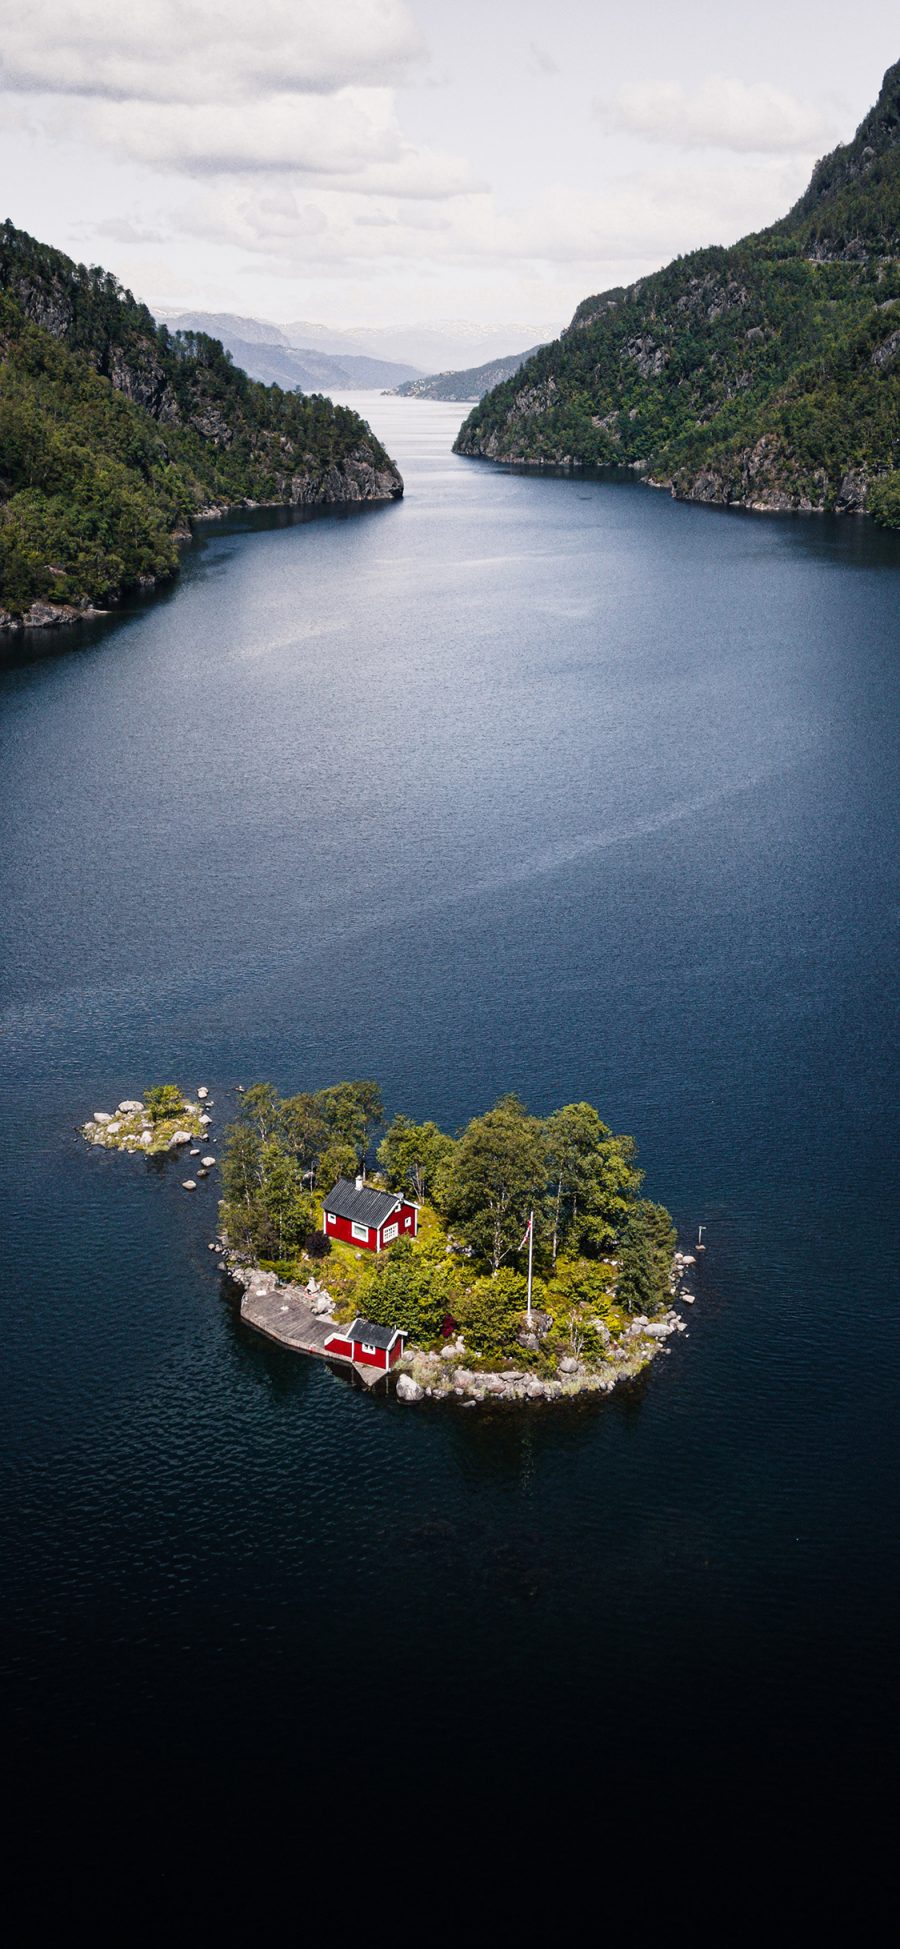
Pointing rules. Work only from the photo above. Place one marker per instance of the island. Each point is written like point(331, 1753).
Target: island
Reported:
point(514, 1261)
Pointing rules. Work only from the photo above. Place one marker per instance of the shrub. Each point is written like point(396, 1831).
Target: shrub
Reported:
point(166, 1100)
point(317, 1245)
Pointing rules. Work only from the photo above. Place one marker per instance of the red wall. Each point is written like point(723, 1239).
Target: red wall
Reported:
point(339, 1346)
point(343, 1229)
point(376, 1359)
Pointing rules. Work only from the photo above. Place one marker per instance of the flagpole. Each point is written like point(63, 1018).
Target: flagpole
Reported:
point(530, 1262)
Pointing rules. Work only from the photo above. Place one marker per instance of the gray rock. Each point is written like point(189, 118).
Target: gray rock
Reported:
point(209, 1162)
point(179, 1137)
point(102, 1116)
point(408, 1389)
point(146, 1138)
point(570, 1366)
point(203, 1093)
point(113, 1127)
point(131, 1106)
point(188, 1184)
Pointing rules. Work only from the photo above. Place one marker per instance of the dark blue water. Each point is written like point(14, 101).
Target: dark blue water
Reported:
point(537, 784)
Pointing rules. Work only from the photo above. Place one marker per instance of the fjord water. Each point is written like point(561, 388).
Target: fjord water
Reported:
point(545, 784)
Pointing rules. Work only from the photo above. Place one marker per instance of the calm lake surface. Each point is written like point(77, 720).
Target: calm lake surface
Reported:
point(538, 784)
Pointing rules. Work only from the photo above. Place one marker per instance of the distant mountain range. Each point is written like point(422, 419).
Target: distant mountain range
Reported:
point(317, 357)
point(267, 352)
point(471, 384)
point(765, 375)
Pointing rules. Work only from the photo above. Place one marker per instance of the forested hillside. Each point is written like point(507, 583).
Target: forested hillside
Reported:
point(114, 433)
point(765, 374)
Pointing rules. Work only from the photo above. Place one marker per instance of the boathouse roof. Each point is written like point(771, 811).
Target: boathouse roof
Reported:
point(374, 1336)
point(362, 1204)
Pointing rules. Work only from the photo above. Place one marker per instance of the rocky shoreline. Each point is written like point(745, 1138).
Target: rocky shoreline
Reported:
point(363, 485)
point(450, 1374)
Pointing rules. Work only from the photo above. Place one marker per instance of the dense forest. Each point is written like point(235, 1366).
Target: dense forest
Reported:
point(601, 1251)
point(766, 374)
point(115, 432)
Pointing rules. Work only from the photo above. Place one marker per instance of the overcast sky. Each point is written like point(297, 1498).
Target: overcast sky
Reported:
point(381, 161)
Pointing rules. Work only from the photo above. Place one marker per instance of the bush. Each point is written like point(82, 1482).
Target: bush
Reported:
point(166, 1100)
point(317, 1245)
point(491, 1312)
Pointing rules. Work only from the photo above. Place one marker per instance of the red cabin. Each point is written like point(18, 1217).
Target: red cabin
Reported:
point(367, 1344)
point(371, 1219)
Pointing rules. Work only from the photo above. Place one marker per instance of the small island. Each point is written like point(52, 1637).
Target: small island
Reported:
point(515, 1261)
point(450, 1283)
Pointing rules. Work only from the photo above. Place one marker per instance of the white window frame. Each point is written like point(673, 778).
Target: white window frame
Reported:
point(360, 1231)
point(407, 1221)
point(390, 1232)
point(328, 1217)
point(366, 1348)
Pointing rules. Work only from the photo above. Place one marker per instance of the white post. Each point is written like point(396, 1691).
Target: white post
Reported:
point(530, 1262)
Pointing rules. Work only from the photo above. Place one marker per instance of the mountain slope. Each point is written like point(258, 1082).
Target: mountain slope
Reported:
point(114, 433)
point(766, 374)
point(472, 384)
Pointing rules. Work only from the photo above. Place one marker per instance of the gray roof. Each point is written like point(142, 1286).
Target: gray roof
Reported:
point(374, 1336)
point(365, 1207)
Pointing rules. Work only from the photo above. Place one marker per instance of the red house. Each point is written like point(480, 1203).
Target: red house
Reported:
point(368, 1344)
point(360, 1215)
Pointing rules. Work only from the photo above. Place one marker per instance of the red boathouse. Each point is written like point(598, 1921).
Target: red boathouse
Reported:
point(367, 1344)
point(362, 1216)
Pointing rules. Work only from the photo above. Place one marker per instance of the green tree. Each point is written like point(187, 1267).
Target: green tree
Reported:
point(352, 1113)
point(166, 1100)
point(411, 1155)
point(491, 1311)
point(338, 1161)
point(492, 1178)
point(304, 1128)
point(646, 1245)
point(287, 1205)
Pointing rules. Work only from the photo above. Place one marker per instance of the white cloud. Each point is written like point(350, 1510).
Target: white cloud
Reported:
point(721, 113)
point(540, 61)
point(204, 50)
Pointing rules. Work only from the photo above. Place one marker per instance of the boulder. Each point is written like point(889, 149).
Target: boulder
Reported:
point(570, 1365)
point(113, 1127)
point(146, 1138)
point(102, 1116)
point(408, 1389)
point(179, 1137)
point(131, 1107)
point(203, 1093)
point(188, 1184)
point(209, 1162)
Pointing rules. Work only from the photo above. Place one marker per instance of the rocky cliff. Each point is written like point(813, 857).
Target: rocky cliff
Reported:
point(766, 374)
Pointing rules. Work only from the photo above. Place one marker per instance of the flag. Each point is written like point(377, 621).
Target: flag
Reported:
point(527, 1232)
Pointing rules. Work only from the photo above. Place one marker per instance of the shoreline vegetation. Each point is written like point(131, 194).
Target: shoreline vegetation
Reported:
point(118, 434)
point(606, 1269)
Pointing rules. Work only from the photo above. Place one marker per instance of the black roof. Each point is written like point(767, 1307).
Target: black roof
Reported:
point(374, 1336)
point(363, 1207)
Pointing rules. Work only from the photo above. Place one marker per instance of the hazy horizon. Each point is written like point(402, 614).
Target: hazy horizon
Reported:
point(408, 160)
